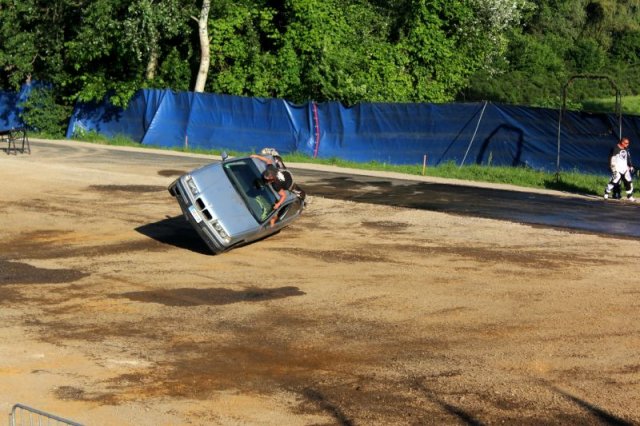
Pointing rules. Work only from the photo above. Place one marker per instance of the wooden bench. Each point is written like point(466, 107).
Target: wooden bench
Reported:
point(11, 136)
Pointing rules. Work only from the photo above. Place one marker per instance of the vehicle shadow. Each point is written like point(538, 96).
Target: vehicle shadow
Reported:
point(177, 232)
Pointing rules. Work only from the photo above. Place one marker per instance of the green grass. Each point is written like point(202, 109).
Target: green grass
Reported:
point(572, 182)
point(630, 105)
point(95, 137)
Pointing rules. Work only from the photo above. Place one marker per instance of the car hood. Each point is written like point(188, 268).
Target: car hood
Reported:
point(222, 200)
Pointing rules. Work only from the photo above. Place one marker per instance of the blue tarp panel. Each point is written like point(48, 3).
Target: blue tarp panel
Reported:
point(246, 124)
point(472, 133)
point(166, 119)
point(10, 107)
point(515, 136)
point(393, 133)
point(199, 120)
point(103, 118)
point(9, 118)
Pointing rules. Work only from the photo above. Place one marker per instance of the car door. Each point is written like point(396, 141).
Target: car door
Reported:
point(288, 212)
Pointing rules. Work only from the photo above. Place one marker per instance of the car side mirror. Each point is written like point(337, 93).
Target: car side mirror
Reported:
point(224, 155)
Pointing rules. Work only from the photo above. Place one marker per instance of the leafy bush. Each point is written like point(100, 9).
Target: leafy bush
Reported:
point(42, 114)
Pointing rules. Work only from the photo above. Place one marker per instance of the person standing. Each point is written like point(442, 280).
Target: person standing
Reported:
point(621, 169)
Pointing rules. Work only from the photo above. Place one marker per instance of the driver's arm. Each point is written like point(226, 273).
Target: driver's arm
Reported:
point(283, 195)
point(260, 157)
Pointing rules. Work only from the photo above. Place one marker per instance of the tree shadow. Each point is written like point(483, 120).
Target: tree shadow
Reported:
point(559, 185)
point(602, 415)
point(94, 115)
point(460, 414)
point(330, 407)
point(502, 134)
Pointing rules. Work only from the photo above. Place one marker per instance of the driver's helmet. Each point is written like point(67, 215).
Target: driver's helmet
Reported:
point(269, 151)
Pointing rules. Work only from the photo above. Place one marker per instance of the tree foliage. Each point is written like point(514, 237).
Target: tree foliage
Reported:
point(516, 51)
point(562, 38)
point(44, 113)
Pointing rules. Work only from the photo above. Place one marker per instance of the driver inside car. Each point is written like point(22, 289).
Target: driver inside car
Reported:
point(281, 181)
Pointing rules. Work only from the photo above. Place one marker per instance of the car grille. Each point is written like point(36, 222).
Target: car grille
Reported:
point(203, 209)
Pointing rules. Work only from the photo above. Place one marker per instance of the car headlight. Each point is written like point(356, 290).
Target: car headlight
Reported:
point(193, 188)
point(220, 230)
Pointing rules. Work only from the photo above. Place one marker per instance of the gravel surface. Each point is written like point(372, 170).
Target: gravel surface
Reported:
point(113, 311)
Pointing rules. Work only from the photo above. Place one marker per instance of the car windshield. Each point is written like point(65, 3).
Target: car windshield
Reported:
point(246, 178)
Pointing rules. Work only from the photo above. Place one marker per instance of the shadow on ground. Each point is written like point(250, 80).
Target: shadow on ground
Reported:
point(559, 185)
point(177, 232)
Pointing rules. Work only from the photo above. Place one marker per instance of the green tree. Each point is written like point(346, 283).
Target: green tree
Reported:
point(344, 50)
point(153, 27)
point(354, 50)
point(88, 49)
point(340, 51)
point(241, 61)
point(533, 67)
point(31, 40)
point(119, 46)
point(44, 113)
point(560, 38)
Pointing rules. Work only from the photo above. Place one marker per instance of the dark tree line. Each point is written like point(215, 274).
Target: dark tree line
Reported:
point(561, 38)
point(513, 51)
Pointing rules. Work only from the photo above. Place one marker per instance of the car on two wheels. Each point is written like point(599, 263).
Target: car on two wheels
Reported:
point(229, 204)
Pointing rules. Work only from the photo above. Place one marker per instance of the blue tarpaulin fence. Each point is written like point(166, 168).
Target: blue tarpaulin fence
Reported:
point(404, 133)
point(392, 133)
point(10, 108)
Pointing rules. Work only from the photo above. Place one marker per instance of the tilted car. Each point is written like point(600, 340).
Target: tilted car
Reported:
point(229, 204)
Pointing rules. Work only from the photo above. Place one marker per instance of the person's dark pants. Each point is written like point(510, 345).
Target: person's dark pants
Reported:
point(616, 179)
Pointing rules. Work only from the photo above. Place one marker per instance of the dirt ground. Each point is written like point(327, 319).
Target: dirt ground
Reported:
point(113, 312)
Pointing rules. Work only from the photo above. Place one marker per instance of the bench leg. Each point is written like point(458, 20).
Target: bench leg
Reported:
point(12, 143)
point(25, 140)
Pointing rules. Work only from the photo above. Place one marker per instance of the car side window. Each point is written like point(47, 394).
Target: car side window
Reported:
point(246, 179)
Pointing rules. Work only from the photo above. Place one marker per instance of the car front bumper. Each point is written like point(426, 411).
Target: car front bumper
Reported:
point(195, 217)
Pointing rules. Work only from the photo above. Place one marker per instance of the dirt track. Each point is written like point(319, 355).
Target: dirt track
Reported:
point(114, 313)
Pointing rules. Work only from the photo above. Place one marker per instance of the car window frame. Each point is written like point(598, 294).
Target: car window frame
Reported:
point(287, 206)
point(256, 184)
